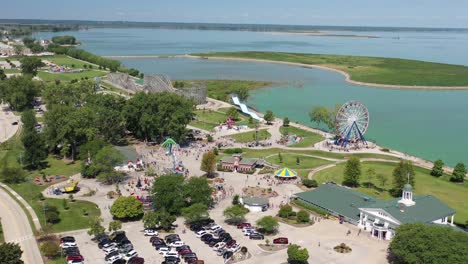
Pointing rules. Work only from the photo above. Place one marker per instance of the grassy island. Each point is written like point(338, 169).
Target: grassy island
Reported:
point(370, 70)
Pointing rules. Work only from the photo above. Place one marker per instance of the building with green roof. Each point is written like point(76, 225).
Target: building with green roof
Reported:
point(378, 217)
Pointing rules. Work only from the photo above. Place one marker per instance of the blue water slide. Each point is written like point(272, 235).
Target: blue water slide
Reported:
point(244, 108)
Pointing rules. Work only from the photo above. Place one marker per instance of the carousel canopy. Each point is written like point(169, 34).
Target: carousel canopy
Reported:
point(286, 173)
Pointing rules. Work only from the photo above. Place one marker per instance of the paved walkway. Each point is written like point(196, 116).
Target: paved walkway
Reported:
point(6, 119)
point(16, 228)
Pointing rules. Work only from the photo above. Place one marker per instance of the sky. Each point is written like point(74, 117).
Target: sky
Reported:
point(398, 13)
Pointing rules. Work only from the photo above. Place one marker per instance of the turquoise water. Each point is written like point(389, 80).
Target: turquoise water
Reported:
point(429, 124)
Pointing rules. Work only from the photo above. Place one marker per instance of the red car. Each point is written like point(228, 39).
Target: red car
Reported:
point(281, 240)
point(75, 257)
point(185, 251)
point(240, 226)
point(231, 243)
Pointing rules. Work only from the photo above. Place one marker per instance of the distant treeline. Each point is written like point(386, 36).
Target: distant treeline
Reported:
point(112, 65)
point(21, 29)
point(84, 24)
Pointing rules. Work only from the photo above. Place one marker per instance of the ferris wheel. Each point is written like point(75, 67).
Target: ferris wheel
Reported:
point(352, 120)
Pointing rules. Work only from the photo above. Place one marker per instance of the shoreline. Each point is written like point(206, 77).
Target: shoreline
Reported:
point(347, 76)
point(303, 65)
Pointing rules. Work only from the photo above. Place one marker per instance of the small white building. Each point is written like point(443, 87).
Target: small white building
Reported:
point(255, 204)
point(383, 217)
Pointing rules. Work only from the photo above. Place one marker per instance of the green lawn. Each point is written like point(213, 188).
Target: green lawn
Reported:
point(49, 77)
point(370, 69)
point(305, 162)
point(250, 136)
point(12, 70)
point(64, 60)
point(209, 119)
point(72, 218)
point(220, 89)
point(455, 195)
point(308, 138)
point(253, 153)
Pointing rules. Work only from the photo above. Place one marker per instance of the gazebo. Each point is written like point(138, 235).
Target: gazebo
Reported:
point(286, 173)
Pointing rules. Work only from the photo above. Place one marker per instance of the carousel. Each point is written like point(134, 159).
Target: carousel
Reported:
point(286, 174)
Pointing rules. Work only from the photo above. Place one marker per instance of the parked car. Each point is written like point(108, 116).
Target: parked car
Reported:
point(14, 123)
point(119, 261)
point(241, 226)
point(206, 236)
point(214, 241)
point(182, 248)
point(219, 245)
point(247, 231)
point(68, 245)
point(227, 254)
point(130, 255)
point(256, 236)
point(231, 243)
point(159, 246)
point(281, 240)
point(200, 233)
point(75, 262)
point(151, 232)
point(171, 260)
point(171, 236)
point(105, 243)
point(176, 244)
point(109, 250)
point(114, 258)
point(162, 250)
point(189, 256)
point(136, 260)
point(155, 238)
point(221, 251)
point(110, 255)
point(67, 239)
point(234, 248)
point(171, 254)
point(75, 257)
point(214, 228)
point(184, 252)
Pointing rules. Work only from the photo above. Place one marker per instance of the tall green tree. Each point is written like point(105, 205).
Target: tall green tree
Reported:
point(438, 168)
point(29, 65)
point(198, 190)
point(10, 253)
point(114, 225)
point(127, 208)
point(195, 212)
point(19, 92)
point(269, 116)
point(95, 227)
point(352, 172)
point(459, 172)
point(401, 173)
point(160, 218)
point(2, 75)
point(242, 93)
point(233, 113)
point(235, 214)
point(319, 115)
point(286, 122)
point(168, 193)
point(370, 175)
point(268, 224)
point(208, 163)
point(296, 255)
point(421, 243)
point(35, 149)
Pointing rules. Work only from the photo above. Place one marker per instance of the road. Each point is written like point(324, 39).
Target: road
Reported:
point(6, 119)
point(16, 228)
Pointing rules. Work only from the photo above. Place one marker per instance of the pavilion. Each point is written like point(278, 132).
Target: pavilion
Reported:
point(379, 217)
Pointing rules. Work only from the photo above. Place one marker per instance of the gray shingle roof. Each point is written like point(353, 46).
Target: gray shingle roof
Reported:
point(347, 202)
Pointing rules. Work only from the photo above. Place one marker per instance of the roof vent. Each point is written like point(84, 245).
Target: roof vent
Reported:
point(402, 208)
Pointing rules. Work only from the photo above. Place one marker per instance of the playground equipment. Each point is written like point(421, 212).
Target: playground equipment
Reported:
point(352, 120)
point(170, 144)
point(244, 108)
point(71, 187)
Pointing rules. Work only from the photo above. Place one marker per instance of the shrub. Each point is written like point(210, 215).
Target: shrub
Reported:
point(309, 183)
point(303, 217)
point(233, 151)
point(285, 211)
point(50, 249)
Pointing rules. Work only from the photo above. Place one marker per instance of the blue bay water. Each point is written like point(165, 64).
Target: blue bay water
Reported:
point(429, 124)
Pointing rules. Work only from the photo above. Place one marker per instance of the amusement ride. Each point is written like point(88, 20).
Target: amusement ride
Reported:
point(352, 121)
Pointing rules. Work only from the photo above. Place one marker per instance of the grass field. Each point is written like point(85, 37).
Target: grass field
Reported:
point(370, 69)
point(250, 136)
point(454, 195)
point(63, 60)
point(66, 77)
point(308, 138)
point(289, 160)
point(256, 153)
point(209, 119)
point(72, 218)
point(12, 71)
point(220, 89)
